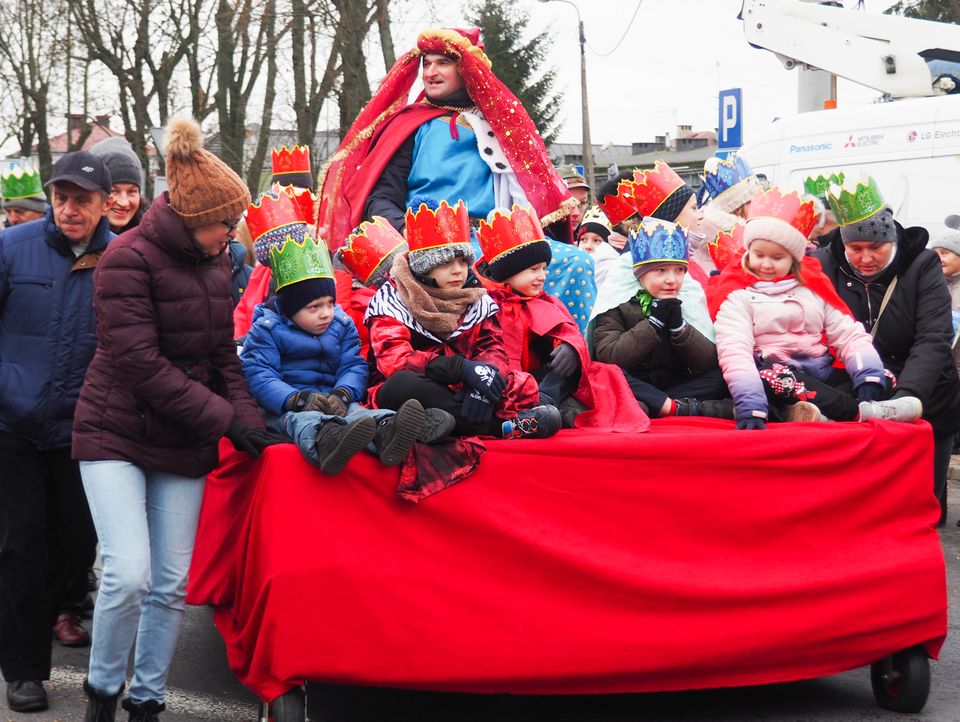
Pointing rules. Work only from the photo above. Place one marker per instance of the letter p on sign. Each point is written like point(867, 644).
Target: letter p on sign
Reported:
point(731, 113)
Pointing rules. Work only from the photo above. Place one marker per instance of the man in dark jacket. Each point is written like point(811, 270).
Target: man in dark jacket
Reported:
point(46, 342)
point(896, 289)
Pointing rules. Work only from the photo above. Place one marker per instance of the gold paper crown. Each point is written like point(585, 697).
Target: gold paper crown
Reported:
point(854, 203)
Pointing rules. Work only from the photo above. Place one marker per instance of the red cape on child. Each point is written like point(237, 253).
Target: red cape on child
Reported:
point(603, 388)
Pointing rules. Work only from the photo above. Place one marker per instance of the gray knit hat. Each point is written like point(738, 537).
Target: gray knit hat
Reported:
point(118, 155)
point(424, 261)
point(878, 228)
point(948, 239)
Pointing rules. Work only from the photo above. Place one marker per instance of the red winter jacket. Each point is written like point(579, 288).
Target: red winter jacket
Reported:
point(165, 381)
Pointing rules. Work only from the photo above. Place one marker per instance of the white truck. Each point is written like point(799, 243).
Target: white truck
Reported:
point(911, 146)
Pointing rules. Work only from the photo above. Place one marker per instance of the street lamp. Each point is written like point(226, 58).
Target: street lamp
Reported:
point(587, 147)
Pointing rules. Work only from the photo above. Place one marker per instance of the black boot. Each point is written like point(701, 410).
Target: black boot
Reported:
point(536, 423)
point(437, 425)
point(396, 433)
point(570, 409)
point(148, 711)
point(26, 695)
point(722, 409)
point(337, 443)
point(101, 707)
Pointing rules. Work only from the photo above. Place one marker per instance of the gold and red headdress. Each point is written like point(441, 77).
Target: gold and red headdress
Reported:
point(437, 236)
point(727, 247)
point(292, 166)
point(368, 248)
point(275, 215)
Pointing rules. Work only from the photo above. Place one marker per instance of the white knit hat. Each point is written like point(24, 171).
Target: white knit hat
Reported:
point(776, 231)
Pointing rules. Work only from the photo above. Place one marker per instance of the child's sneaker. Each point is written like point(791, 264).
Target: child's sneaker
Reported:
point(802, 411)
point(396, 433)
point(906, 408)
point(337, 443)
point(536, 423)
point(437, 425)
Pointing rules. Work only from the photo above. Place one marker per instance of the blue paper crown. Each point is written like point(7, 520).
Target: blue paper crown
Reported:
point(658, 241)
point(729, 172)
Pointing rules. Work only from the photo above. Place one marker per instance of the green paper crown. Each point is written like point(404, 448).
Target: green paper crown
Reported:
point(818, 186)
point(293, 261)
point(21, 183)
point(852, 205)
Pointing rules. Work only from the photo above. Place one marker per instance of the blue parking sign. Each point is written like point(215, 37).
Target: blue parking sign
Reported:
point(730, 124)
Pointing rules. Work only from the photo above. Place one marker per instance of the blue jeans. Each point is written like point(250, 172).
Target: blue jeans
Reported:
point(302, 426)
point(147, 522)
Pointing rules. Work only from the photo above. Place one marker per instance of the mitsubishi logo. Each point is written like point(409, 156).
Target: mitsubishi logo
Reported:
point(850, 143)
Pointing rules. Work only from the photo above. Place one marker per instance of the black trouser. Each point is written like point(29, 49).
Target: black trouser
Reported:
point(46, 535)
point(705, 387)
point(406, 385)
point(834, 397)
point(554, 385)
point(942, 448)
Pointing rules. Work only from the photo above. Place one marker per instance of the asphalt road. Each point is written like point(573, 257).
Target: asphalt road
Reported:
point(202, 688)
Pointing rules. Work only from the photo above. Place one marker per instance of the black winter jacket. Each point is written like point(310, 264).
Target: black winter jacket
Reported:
point(914, 334)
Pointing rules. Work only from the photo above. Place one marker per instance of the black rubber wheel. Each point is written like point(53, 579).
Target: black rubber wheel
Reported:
point(901, 683)
point(290, 706)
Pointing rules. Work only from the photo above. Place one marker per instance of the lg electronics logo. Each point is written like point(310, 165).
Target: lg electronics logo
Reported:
point(911, 136)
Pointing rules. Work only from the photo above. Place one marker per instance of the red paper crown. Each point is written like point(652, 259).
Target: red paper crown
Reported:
point(366, 249)
point(620, 206)
point(506, 232)
point(294, 160)
point(652, 187)
point(727, 248)
point(445, 226)
point(280, 206)
point(789, 208)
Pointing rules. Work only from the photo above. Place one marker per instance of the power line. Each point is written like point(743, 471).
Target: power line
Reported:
point(622, 37)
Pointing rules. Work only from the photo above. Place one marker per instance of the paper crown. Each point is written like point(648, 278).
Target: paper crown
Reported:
point(368, 246)
point(727, 247)
point(21, 182)
point(852, 203)
point(643, 194)
point(720, 175)
point(503, 233)
point(818, 186)
point(445, 226)
point(594, 215)
point(658, 241)
point(299, 259)
point(294, 160)
point(788, 208)
point(281, 212)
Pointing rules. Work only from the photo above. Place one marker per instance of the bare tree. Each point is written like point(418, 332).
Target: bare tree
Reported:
point(311, 24)
point(32, 45)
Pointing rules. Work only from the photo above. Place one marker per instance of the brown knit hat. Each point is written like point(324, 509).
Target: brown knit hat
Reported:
point(202, 187)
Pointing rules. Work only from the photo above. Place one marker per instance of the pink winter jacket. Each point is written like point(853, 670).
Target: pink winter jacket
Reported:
point(787, 322)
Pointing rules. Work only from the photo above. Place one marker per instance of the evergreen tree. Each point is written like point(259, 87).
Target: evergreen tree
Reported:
point(518, 62)
point(944, 11)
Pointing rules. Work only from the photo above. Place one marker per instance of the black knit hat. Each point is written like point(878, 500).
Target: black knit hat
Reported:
point(297, 295)
point(520, 258)
point(673, 204)
point(593, 227)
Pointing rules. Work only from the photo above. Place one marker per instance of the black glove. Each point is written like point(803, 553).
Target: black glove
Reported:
point(253, 440)
point(484, 378)
point(661, 311)
point(476, 408)
point(564, 360)
point(749, 422)
point(869, 391)
point(337, 402)
point(307, 401)
point(675, 322)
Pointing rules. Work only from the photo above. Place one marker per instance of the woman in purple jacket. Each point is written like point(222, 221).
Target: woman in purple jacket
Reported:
point(164, 385)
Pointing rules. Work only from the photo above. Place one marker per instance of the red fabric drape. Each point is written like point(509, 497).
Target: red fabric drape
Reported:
point(680, 558)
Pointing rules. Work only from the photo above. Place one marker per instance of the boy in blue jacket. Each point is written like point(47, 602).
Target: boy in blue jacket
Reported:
point(301, 360)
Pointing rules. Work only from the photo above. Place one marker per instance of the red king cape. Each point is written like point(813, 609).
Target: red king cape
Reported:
point(603, 389)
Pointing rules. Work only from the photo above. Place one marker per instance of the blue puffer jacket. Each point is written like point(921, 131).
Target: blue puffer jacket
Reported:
point(47, 328)
point(279, 359)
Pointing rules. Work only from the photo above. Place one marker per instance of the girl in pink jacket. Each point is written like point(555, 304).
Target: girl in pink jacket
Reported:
point(777, 319)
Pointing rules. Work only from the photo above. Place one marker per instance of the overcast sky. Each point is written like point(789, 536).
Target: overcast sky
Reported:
point(675, 57)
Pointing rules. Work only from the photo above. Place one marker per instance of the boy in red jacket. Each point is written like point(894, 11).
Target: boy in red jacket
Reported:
point(539, 334)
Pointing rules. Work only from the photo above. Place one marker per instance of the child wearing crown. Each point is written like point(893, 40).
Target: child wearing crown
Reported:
point(730, 183)
point(777, 313)
point(436, 336)
point(302, 364)
point(540, 335)
point(593, 236)
point(670, 366)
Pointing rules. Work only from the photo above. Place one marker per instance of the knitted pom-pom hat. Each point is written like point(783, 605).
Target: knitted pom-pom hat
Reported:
point(202, 188)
